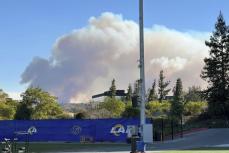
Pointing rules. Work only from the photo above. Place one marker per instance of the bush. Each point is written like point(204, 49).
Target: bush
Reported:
point(131, 112)
point(8, 106)
point(158, 109)
point(99, 113)
point(114, 106)
point(195, 108)
point(64, 116)
point(6, 111)
point(80, 115)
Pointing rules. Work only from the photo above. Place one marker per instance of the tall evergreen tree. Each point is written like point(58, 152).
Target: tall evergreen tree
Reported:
point(129, 93)
point(216, 69)
point(152, 92)
point(113, 89)
point(162, 86)
point(177, 103)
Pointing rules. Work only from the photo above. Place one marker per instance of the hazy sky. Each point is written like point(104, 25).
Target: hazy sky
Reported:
point(35, 35)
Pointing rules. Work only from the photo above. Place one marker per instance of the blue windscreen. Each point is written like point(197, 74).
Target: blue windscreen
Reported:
point(93, 130)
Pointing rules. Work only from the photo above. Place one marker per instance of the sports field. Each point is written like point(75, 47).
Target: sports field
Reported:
point(50, 147)
point(216, 140)
point(102, 148)
point(200, 150)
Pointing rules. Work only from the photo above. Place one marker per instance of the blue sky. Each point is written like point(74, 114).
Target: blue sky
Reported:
point(29, 28)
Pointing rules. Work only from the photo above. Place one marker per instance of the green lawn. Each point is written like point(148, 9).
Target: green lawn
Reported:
point(201, 150)
point(197, 151)
point(76, 147)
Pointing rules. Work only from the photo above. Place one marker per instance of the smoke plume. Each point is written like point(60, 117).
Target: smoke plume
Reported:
point(84, 61)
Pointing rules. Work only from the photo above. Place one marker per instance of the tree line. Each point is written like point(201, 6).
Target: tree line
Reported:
point(38, 104)
point(157, 103)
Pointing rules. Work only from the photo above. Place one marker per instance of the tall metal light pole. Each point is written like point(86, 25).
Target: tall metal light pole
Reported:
point(142, 69)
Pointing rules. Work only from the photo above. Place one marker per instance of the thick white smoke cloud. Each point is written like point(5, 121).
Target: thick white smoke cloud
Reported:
point(85, 61)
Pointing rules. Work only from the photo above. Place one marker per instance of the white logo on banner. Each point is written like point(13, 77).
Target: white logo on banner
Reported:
point(32, 130)
point(119, 129)
point(76, 130)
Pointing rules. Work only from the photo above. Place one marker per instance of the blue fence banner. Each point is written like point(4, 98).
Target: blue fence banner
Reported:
point(94, 130)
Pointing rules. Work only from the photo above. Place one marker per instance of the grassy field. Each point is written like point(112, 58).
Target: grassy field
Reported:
point(76, 147)
point(201, 150)
point(73, 147)
point(204, 150)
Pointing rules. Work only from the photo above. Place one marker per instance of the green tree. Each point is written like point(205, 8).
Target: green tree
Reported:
point(194, 108)
point(216, 70)
point(47, 110)
point(152, 92)
point(177, 104)
point(129, 93)
point(3, 96)
point(162, 87)
point(38, 104)
point(114, 106)
point(7, 106)
point(113, 89)
point(194, 94)
point(23, 112)
point(157, 109)
point(6, 112)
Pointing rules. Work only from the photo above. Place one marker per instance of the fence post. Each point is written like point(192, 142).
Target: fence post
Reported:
point(162, 129)
point(172, 128)
point(181, 127)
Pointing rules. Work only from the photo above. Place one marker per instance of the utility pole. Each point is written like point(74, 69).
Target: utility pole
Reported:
point(142, 69)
